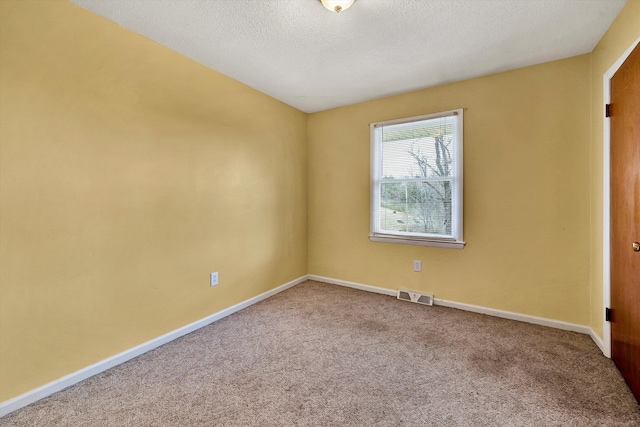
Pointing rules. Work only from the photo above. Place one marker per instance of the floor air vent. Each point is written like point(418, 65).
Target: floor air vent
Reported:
point(415, 297)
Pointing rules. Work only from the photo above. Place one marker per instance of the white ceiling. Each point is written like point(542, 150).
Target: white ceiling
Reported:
point(314, 59)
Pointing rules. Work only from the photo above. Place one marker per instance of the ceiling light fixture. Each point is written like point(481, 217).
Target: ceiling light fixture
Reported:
point(337, 6)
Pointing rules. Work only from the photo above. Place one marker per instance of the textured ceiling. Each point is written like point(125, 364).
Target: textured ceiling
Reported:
point(313, 59)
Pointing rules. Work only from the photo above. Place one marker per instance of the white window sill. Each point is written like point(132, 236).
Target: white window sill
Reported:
point(419, 241)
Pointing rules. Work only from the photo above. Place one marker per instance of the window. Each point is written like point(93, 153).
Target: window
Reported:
point(416, 180)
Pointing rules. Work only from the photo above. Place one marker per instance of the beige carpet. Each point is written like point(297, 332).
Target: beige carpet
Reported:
point(323, 355)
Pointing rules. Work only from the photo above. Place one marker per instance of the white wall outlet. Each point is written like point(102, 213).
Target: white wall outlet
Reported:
point(214, 278)
point(417, 265)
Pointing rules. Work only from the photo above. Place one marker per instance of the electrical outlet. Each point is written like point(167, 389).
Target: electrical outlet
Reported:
point(417, 265)
point(214, 278)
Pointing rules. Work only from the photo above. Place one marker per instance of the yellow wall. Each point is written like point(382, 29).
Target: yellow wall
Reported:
point(526, 201)
point(128, 174)
point(624, 31)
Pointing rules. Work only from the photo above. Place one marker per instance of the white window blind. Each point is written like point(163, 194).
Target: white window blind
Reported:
point(417, 180)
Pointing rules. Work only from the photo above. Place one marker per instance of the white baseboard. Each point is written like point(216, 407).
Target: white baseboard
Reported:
point(34, 395)
point(599, 342)
point(353, 285)
point(475, 308)
point(514, 316)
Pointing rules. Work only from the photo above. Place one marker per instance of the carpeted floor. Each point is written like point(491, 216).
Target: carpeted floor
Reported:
point(324, 355)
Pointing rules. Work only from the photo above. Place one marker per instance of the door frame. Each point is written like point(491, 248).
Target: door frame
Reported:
point(606, 199)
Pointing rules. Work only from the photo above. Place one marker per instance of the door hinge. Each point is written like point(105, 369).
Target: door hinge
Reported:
point(607, 110)
point(607, 314)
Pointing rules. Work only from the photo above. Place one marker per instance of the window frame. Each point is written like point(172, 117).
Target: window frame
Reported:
point(455, 241)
